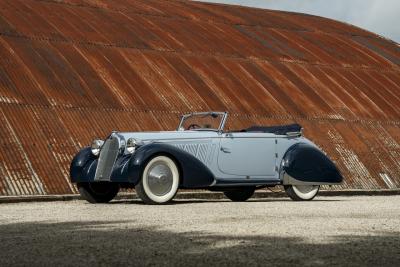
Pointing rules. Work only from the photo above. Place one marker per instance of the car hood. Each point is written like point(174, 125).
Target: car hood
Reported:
point(168, 135)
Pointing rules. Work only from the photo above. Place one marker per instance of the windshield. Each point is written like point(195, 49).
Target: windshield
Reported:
point(213, 121)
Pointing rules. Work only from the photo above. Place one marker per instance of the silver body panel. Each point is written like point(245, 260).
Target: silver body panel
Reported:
point(229, 156)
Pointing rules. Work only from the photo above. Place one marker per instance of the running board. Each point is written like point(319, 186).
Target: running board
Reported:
point(236, 182)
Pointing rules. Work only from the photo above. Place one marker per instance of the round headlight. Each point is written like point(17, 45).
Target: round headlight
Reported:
point(96, 146)
point(131, 145)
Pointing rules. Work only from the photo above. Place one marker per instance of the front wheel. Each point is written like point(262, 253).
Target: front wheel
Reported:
point(160, 181)
point(302, 192)
point(240, 195)
point(98, 192)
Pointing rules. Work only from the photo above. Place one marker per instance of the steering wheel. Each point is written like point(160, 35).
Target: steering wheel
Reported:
point(193, 126)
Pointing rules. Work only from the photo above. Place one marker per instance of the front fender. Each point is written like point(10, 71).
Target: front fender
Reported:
point(84, 165)
point(306, 164)
point(79, 163)
point(194, 174)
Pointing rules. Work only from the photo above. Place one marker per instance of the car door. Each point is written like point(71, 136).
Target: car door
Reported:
point(247, 154)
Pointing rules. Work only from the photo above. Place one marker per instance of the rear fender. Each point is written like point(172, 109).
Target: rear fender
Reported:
point(304, 164)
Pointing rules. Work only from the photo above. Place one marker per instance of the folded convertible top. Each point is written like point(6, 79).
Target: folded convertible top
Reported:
point(280, 130)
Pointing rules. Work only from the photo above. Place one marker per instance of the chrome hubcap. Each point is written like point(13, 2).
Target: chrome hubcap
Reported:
point(159, 179)
point(305, 188)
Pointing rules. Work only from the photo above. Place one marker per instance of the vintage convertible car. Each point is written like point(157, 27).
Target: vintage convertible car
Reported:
point(201, 155)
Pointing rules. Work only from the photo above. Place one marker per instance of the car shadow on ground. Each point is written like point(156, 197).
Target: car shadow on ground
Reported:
point(97, 243)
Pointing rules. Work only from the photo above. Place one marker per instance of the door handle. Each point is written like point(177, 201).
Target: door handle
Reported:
point(225, 149)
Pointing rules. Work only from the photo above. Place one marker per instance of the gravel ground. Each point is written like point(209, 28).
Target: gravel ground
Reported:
point(355, 231)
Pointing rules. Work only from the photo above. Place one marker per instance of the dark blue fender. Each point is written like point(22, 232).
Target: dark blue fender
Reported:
point(194, 174)
point(128, 168)
point(79, 165)
point(306, 164)
point(86, 172)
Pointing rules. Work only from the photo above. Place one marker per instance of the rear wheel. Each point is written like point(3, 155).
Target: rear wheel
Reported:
point(160, 181)
point(302, 192)
point(98, 192)
point(240, 195)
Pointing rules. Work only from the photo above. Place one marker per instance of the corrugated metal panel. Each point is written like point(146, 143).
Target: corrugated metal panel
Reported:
point(74, 70)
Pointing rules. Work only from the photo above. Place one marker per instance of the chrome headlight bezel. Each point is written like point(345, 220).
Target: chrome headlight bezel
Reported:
point(96, 146)
point(131, 145)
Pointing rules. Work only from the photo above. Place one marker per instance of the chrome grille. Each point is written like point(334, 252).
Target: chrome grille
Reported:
point(108, 155)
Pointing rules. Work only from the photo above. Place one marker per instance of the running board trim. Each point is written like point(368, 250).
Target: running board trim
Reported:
point(235, 182)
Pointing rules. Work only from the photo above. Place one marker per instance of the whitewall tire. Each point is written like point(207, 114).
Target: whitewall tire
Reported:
point(302, 192)
point(159, 182)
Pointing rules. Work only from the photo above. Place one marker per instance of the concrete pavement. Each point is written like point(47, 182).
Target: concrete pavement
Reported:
point(343, 231)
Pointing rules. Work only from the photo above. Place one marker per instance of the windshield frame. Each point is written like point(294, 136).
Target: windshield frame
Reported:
point(221, 125)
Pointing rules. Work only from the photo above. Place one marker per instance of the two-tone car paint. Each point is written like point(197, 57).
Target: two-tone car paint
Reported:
point(236, 156)
point(196, 155)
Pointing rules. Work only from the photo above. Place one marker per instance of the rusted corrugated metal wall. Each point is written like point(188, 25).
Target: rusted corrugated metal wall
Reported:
point(76, 69)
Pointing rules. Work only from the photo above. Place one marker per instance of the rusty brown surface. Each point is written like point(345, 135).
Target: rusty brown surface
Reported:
point(74, 70)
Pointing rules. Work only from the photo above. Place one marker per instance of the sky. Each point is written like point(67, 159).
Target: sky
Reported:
point(378, 16)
